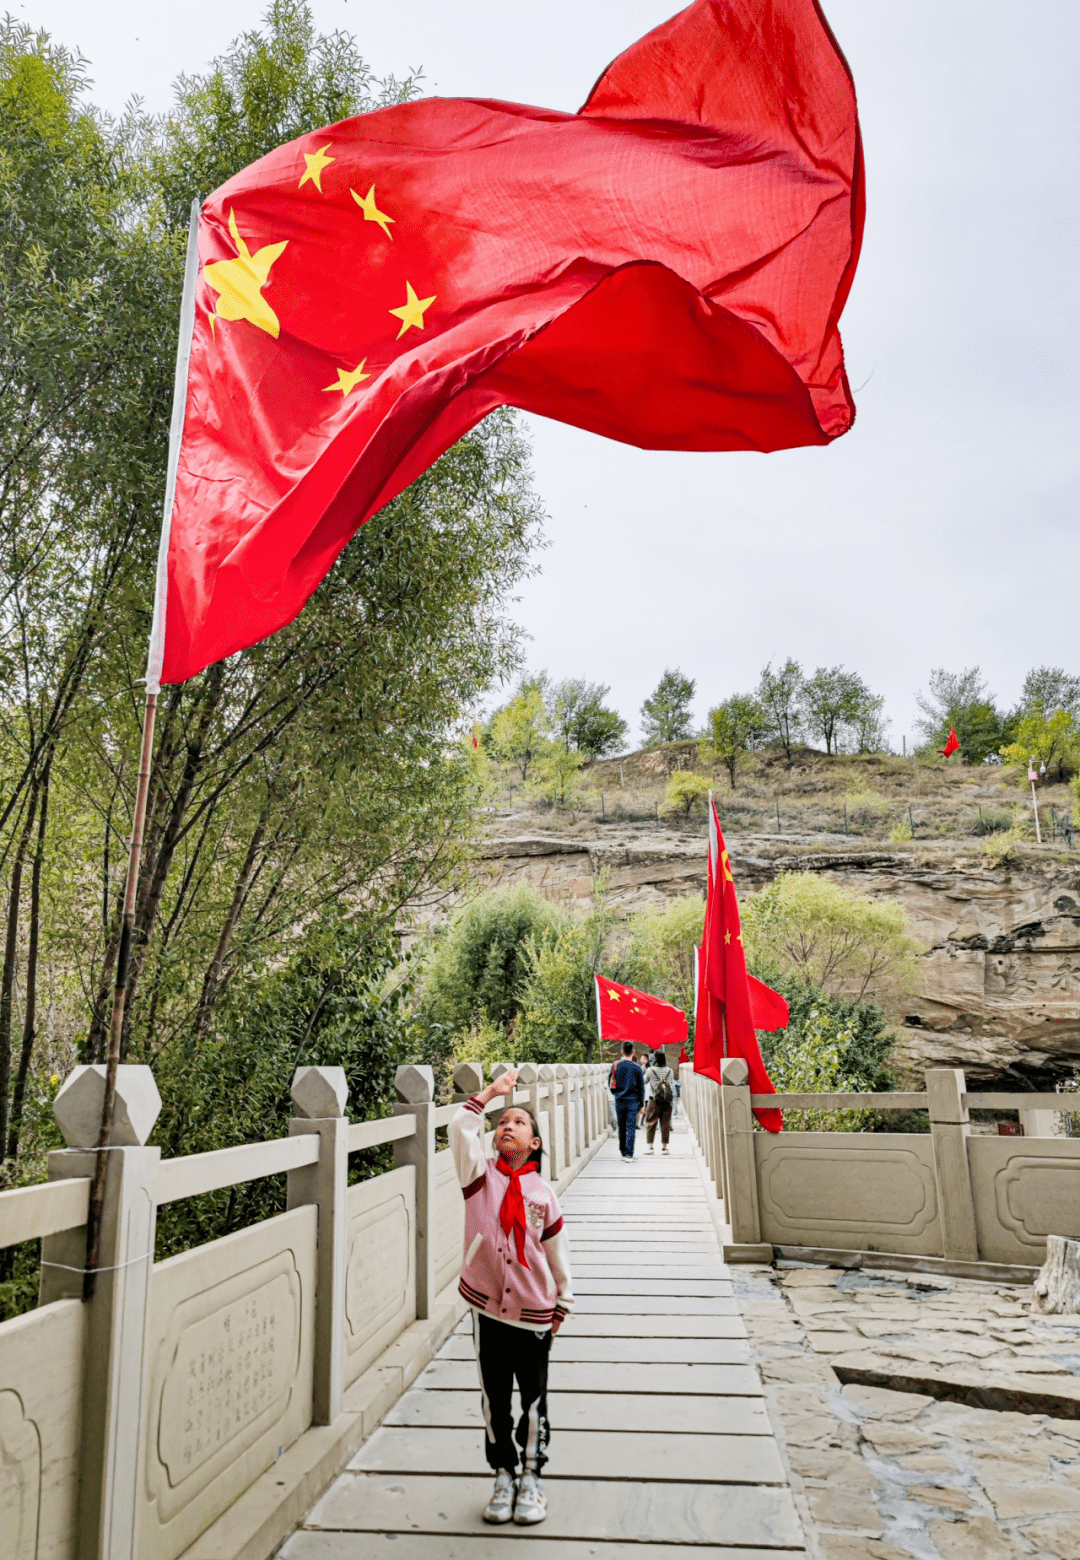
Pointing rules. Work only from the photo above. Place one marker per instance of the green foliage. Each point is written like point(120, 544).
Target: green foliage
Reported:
point(780, 695)
point(477, 969)
point(1046, 739)
point(517, 732)
point(558, 1004)
point(665, 714)
point(831, 701)
point(555, 772)
point(684, 788)
point(580, 719)
point(831, 1045)
point(659, 957)
point(839, 942)
point(735, 726)
point(960, 700)
point(1050, 688)
point(329, 1004)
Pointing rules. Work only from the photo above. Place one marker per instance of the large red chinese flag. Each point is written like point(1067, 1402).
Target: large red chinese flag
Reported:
point(727, 1006)
point(666, 267)
point(622, 1013)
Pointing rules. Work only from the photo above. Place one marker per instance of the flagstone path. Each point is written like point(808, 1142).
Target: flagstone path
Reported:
point(661, 1444)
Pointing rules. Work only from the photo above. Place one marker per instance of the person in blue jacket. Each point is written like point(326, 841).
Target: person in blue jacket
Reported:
point(629, 1091)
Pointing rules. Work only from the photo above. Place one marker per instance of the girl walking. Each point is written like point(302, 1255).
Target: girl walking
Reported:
point(516, 1279)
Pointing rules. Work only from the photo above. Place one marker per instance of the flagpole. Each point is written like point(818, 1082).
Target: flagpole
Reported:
point(153, 688)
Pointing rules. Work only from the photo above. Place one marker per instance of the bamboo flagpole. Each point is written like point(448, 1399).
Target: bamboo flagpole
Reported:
point(153, 688)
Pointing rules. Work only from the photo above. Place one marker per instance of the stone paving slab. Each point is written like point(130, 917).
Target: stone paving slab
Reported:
point(495, 1545)
point(675, 1416)
point(584, 1454)
point(601, 1510)
point(673, 1305)
point(679, 1351)
point(590, 1267)
point(677, 1288)
point(568, 1376)
point(584, 1324)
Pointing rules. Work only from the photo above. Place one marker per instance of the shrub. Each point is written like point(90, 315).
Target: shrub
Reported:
point(685, 788)
point(476, 970)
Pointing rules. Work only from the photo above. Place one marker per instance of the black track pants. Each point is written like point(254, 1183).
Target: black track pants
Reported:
point(502, 1353)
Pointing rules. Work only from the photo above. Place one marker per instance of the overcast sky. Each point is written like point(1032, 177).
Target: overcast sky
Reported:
point(942, 529)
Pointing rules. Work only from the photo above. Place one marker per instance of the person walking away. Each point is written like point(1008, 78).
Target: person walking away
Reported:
point(515, 1278)
point(645, 1064)
point(629, 1098)
point(660, 1087)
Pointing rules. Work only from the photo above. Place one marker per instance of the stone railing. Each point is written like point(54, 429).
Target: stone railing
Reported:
point(945, 1196)
point(197, 1405)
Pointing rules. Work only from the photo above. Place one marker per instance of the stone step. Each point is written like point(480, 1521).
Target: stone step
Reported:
point(615, 1346)
point(684, 1288)
point(574, 1376)
point(672, 1305)
point(667, 1415)
point(583, 1454)
point(754, 1515)
point(501, 1544)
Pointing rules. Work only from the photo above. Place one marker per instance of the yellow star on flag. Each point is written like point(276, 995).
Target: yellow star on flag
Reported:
point(348, 379)
point(412, 310)
point(240, 282)
point(727, 938)
point(614, 995)
point(371, 211)
point(727, 867)
point(316, 162)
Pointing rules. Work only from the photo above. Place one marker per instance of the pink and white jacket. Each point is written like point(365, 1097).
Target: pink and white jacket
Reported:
point(492, 1278)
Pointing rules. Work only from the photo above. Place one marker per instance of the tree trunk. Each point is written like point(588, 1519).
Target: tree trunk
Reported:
point(30, 1014)
point(7, 982)
point(213, 974)
point(1057, 1288)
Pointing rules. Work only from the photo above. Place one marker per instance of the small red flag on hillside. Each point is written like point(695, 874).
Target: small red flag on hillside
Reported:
point(729, 999)
point(952, 744)
point(622, 1013)
point(666, 267)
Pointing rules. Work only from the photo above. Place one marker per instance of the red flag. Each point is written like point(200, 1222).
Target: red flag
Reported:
point(726, 1007)
point(768, 1008)
point(625, 1014)
point(666, 267)
point(952, 744)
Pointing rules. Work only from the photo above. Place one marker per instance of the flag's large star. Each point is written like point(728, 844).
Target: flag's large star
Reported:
point(371, 211)
point(316, 162)
point(614, 995)
point(240, 282)
point(412, 310)
point(348, 379)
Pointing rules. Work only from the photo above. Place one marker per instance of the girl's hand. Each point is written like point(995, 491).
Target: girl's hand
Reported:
point(556, 1324)
point(502, 1085)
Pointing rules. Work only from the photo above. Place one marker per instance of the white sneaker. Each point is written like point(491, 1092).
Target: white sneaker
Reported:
point(651, 1149)
point(531, 1503)
point(664, 1149)
point(500, 1508)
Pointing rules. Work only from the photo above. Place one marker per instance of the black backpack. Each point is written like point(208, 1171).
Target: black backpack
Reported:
point(661, 1093)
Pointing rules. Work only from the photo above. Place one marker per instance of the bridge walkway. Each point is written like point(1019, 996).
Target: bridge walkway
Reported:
point(661, 1444)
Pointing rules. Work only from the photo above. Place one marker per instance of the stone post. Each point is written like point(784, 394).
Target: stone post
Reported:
point(949, 1124)
point(566, 1084)
point(1042, 1123)
point(320, 1095)
point(415, 1087)
point(549, 1087)
point(584, 1094)
point(116, 1316)
point(740, 1183)
point(468, 1080)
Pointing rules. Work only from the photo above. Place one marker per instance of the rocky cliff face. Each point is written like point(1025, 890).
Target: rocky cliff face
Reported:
point(1001, 972)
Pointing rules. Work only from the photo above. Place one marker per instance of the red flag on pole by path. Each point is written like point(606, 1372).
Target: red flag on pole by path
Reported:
point(951, 746)
point(724, 1022)
point(623, 1013)
point(666, 267)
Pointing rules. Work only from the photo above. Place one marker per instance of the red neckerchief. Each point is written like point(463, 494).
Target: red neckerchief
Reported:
point(512, 1212)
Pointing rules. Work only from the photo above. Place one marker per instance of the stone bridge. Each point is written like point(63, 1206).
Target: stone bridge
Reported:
point(309, 1380)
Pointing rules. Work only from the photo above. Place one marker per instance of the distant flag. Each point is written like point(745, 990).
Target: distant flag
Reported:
point(624, 1013)
point(952, 744)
